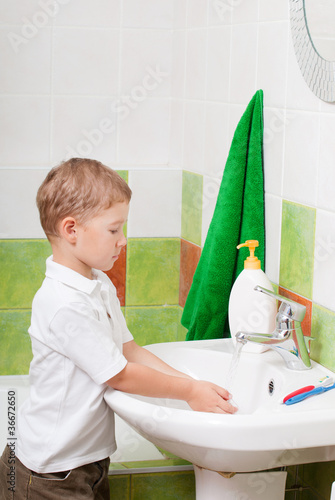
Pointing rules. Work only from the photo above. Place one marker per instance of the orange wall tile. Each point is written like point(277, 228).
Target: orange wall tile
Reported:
point(118, 275)
point(189, 258)
point(307, 322)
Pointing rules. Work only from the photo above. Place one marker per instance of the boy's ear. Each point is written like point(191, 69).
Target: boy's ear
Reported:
point(68, 229)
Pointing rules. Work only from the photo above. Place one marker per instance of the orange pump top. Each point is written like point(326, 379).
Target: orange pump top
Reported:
point(251, 262)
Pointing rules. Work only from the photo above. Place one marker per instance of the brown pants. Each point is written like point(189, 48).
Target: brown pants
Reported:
point(88, 482)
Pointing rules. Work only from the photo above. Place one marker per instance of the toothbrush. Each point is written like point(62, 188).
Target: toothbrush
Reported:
point(324, 382)
point(304, 395)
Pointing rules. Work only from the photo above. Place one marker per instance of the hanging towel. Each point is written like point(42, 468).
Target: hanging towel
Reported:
point(238, 216)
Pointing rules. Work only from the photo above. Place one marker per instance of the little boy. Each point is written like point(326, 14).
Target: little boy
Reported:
point(81, 344)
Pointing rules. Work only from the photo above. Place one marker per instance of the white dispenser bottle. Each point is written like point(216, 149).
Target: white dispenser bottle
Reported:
point(251, 311)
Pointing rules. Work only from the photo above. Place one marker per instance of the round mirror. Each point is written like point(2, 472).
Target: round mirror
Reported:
point(313, 35)
point(320, 20)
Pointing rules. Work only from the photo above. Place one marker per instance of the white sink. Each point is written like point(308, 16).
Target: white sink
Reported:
point(262, 435)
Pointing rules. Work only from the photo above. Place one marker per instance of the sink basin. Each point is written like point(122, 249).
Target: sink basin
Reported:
point(262, 435)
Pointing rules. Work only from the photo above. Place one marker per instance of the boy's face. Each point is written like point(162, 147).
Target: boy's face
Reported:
point(100, 241)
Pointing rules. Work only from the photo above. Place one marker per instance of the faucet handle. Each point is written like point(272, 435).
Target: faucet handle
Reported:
point(288, 308)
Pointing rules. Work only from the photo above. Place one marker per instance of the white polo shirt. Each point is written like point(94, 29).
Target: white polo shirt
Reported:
point(77, 331)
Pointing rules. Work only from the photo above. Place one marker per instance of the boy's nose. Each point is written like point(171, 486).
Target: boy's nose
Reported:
point(122, 241)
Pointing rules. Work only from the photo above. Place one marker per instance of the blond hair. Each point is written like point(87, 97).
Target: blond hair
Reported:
point(78, 188)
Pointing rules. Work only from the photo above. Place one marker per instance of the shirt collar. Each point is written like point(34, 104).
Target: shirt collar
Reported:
point(69, 277)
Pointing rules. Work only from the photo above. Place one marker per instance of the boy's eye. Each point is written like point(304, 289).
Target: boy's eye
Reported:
point(113, 231)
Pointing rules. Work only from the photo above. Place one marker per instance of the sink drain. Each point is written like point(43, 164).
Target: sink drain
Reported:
point(271, 387)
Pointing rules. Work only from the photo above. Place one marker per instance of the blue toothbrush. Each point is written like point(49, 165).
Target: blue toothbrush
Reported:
point(304, 395)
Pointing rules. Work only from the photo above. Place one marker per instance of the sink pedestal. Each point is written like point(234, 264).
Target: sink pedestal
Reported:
point(242, 486)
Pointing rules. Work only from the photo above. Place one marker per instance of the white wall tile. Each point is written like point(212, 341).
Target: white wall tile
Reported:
point(245, 12)
point(243, 63)
point(326, 107)
point(324, 260)
point(179, 14)
point(197, 13)
point(84, 127)
point(24, 130)
point(178, 64)
point(216, 138)
point(272, 62)
point(85, 61)
point(299, 96)
point(20, 218)
point(272, 10)
point(275, 122)
point(219, 13)
point(88, 13)
point(326, 170)
point(26, 15)
point(155, 209)
point(196, 64)
point(301, 158)
point(273, 210)
point(142, 50)
point(235, 114)
point(144, 133)
point(218, 63)
point(176, 133)
point(194, 134)
point(148, 14)
point(26, 65)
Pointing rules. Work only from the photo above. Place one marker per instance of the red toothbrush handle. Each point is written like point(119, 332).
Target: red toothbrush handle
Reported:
point(299, 391)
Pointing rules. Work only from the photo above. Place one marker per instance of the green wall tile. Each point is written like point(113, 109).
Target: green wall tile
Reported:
point(323, 330)
point(15, 345)
point(153, 324)
point(191, 219)
point(172, 458)
point(116, 466)
point(165, 462)
point(182, 331)
point(297, 248)
point(22, 268)
point(163, 486)
point(123, 174)
point(119, 487)
point(152, 271)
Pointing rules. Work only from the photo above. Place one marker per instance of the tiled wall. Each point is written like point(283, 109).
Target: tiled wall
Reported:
point(148, 292)
point(90, 80)
point(139, 486)
point(157, 89)
point(222, 53)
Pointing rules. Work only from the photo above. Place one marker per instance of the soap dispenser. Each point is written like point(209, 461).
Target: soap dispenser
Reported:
point(250, 311)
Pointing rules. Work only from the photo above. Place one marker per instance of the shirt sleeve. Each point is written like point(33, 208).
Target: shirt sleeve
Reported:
point(126, 335)
point(116, 308)
point(77, 333)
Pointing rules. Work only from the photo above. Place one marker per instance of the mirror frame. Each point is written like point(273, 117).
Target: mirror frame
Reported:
point(319, 74)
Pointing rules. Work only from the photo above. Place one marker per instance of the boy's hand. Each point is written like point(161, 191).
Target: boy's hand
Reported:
point(209, 397)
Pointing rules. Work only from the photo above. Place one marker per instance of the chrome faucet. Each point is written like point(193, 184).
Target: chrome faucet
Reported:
point(287, 338)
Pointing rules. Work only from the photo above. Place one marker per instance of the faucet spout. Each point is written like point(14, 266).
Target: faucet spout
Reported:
point(287, 339)
point(276, 337)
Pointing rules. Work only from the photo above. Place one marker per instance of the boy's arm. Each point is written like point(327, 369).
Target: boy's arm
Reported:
point(137, 354)
point(139, 378)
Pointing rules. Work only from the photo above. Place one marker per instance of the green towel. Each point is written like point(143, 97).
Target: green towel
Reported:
point(238, 216)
